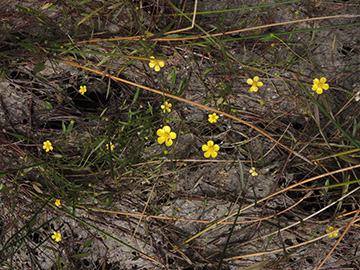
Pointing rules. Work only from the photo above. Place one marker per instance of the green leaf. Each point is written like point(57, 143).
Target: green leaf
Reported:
point(38, 67)
point(47, 105)
point(88, 243)
point(6, 189)
point(33, 221)
point(80, 255)
point(207, 71)
point(136, 96)
point(90, 15)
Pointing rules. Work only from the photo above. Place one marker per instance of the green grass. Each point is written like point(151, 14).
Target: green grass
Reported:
point(135, 204)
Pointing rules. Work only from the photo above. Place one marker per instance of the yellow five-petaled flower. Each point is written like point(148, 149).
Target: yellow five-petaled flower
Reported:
point(156, 64)
point(56, 237)
point(320, 85)
point(254, 84)
point(166, 107)
point(213, 117)
point(166, 135)
point(82, 89)
point(57, 202)
point(111, 146)
point(253, 171)
point(47, 146)
point(210, 149)
point(331, 229)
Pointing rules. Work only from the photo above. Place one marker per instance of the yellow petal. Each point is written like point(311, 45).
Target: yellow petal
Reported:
point(323, 80)
point(213, 154)
point(161, 63)
point(161, 140)
point(326, 86)
point(160, 132)
point(205, 147)
point(157, 68)
point(249, 81)
point(259, 84)
point(172, 135)
point(169, 142)
point(256, 78)
point(167, 129)
point(216, 147)
point(151, 64)
point(210, 143)
point(207, 154)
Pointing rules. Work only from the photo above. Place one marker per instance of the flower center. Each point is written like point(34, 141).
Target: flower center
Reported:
point(166, 136)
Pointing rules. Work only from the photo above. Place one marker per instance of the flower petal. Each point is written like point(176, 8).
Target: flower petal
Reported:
point(169, 142)
point(207, 154)
point(213, 154)
point(160, 132)
point(172, 135)
point(167, 129)
point(161, 140)
point(323, 80)
point(205, 147)
point(249, 81)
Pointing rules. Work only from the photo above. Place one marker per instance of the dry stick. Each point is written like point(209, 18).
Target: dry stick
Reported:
point(340, 238)
point(219, 34)
point(187, 101)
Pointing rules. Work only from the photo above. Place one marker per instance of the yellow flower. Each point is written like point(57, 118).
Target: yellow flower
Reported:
point(254, 84)
point(253, 172)
point(156, 64)
point(57, 202)
point(111, 146)
point(213, 117)
point(210, 149)
point(72, 122)
point(165, 135)
point(320, 85)
point(82, 89)
point(56, 237)
point(166, 107)
point(331, 229)
point(47, 146)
